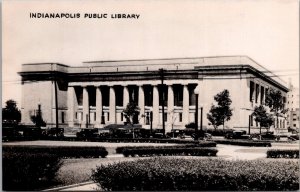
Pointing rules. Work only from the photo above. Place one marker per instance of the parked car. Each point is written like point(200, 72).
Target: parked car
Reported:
point(269, 136)
point(176, 133)
point(293, 137)
point(87, 133)
point(236, 135)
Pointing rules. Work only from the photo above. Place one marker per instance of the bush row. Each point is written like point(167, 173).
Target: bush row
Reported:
point(201, 144)
point(171, 174)
point(61, 151)
point(127, 140)
point(144, 152)
point(283, 153)
point(27, 171)
point(245, 143)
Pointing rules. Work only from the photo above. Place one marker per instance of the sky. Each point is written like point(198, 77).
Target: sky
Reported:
point(265, 30)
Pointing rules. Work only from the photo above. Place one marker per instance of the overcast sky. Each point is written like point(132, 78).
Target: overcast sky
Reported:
point(265, 30)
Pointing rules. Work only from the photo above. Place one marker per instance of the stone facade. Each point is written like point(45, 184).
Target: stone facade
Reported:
point(95, 94)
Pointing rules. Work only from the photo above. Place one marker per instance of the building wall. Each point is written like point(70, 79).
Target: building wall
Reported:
point(36, 93)
point(42, 92)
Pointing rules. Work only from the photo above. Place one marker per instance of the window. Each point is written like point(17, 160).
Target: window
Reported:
point(76, 115)
point(121, 116)
point(166, 117)
point(94, 116)
point(180, 117)
point(251, 90)
point(107, 116)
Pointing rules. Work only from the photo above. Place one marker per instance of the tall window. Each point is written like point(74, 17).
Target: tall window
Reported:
point(62, 117)
point(251, 90)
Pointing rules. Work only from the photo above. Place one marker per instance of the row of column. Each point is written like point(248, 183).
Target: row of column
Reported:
point(141, 104)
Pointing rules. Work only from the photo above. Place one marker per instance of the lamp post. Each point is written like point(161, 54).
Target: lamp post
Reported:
point(201, 124)
point(151, 120)
point(196, 91)
point(161, 72)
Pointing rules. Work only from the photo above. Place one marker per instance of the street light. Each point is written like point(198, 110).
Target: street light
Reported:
point(196, 91)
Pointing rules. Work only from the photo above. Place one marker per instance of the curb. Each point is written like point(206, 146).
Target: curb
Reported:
point(69, 186)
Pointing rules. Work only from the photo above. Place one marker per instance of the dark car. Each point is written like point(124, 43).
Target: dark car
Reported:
point(176, 133)
point(87, 133)
point(293, 137)
point(236, 135)
point(269, 136)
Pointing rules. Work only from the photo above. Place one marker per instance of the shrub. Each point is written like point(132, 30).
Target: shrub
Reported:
point(171, 174)
point(206, 144)
point(202, 144)
point(61, 151)
point(28, 171)
point(283, 153)
point(245, 143)
point(170, 151)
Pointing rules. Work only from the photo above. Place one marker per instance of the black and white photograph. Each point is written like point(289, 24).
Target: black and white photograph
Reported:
point(196, 95)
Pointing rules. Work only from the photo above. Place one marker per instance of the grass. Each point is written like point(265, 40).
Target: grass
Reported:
point(79, 170)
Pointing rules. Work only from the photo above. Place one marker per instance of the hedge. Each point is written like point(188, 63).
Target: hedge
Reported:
point(28, 171)
point(61, 151)
point(197, 151)
point(173, 174)
point(244, 143)
point(202, 144)
point(283, 153)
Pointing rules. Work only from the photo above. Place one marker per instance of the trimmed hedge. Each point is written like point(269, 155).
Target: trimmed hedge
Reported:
point(195, 151)
point(173, 174)
point(249, 143)
point(27, 171)
point(283, 153)
point(119, 150)
point(61, 151)
point(126, 140)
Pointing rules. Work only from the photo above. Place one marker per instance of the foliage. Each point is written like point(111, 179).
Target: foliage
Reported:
point(283, 153)
point(202, 144)
point(177, 174)
point(29, 171)
point(130, 111)
point(191, 125)
point(167, 151)
point(222, 112)
point(38, 119)
point(274, 100)
point(245, 143)
point(261, 116)
point(11, 113)
point(61, 151)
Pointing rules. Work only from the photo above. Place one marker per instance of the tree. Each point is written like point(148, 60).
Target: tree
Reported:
point(38, 119)
point(222, 112)
point(274, 100)
point(11, 113)
point(130, 111)
point(262, 117)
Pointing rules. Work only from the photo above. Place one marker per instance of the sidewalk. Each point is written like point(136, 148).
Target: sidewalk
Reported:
point(86, 186)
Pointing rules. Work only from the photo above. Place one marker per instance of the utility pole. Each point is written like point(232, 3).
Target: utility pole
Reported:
point(56, 105)
point(161, 72)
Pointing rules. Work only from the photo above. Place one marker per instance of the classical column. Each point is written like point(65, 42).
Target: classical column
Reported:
point(155, 107)
point(85, 107)
point(71, 107)
point(125, 96)
point(98, 106)
point(186, 105)
point(170, 108)
point(112, 105)
point(141, 104)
